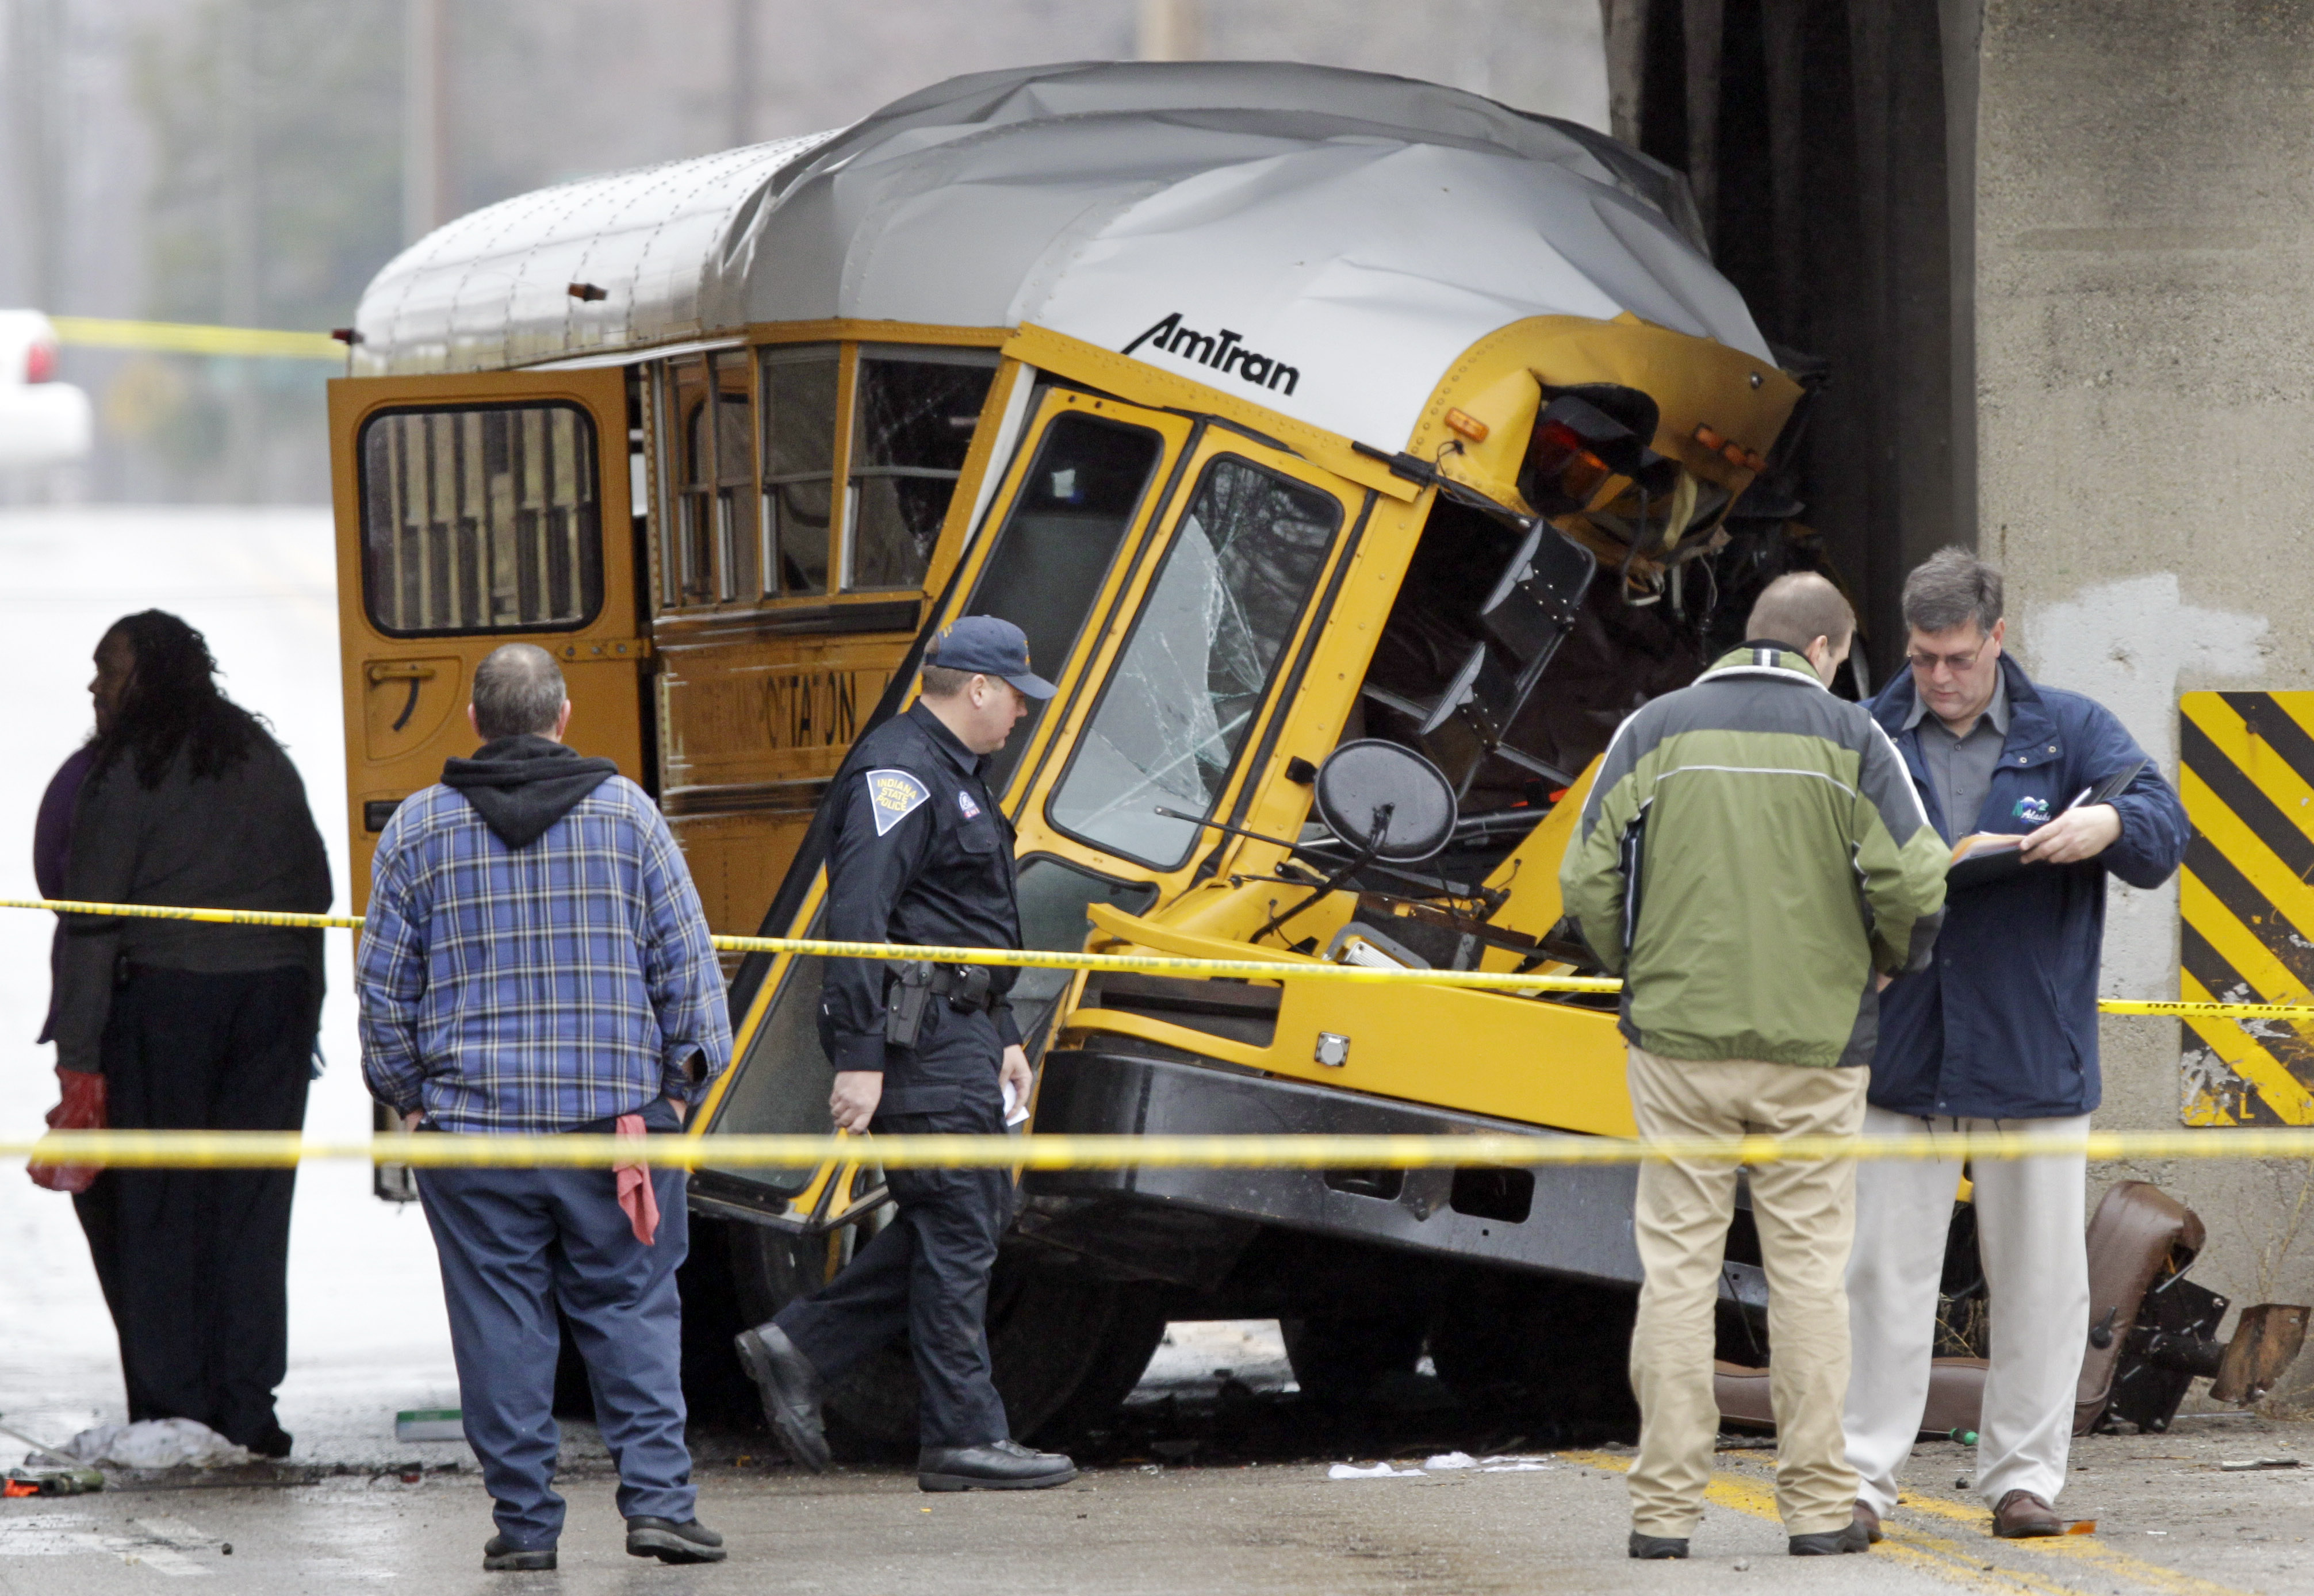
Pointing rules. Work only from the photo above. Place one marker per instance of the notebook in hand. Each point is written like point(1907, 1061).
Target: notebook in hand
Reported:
point(1982, 858)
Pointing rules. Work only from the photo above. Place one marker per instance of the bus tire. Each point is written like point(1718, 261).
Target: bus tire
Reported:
point(1060, 1346)
point(1343, 1359)
point(1553, 1352)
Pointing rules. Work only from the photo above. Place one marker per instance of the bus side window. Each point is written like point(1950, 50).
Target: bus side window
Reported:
point(799, 404)
point(715, 551)
point(913, 416)
point(480, 518)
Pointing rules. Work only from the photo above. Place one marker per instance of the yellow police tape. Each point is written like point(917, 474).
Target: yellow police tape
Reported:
point(276, 1149)
point(1295, 969)
point(262, 1149)
point(1270, 969)
point(193, 338)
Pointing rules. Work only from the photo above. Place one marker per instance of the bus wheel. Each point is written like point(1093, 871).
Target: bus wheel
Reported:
point(1341, 1358)
point(1549, 1352)
point(1065, 1352)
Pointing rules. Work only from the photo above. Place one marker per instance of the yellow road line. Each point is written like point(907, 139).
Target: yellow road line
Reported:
point(2076, 1548)
point(1957, 1561)
point(1943, 1560)
point(193, 338)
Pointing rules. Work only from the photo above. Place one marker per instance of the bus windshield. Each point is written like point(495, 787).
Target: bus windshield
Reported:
point(1190, 679)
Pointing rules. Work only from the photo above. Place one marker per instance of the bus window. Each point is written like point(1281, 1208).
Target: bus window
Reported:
point(1074, 507)
point(912, 419)
point(800, 395)
point(480, 518)
point(1193, 673)
point(715, 500)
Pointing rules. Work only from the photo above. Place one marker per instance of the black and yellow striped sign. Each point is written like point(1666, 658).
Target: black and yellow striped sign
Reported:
point(2246, 903)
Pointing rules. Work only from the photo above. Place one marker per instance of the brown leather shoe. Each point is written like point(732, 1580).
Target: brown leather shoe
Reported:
point(2021, 1516)
point(1869, 1519)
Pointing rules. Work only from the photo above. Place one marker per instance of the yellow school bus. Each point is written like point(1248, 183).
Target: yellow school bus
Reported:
point(1322, 429)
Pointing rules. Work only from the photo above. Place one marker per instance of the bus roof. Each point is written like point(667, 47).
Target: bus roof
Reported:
point(1333, 239)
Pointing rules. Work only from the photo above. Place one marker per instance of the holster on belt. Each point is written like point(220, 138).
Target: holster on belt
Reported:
point(967, 988)
point(903, 1001)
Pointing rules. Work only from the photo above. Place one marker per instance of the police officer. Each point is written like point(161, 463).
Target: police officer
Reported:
point(918, 853)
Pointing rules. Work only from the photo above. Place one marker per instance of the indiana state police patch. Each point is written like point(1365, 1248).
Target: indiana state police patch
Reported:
point(894, 795)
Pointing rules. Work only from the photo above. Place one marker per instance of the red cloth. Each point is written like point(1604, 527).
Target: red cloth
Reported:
point(635, 1193)
point(81, 1109)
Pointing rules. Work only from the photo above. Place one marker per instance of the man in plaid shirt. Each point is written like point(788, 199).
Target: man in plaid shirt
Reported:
point(535, 959)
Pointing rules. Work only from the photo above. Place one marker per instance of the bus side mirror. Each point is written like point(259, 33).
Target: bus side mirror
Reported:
point(1385, 801)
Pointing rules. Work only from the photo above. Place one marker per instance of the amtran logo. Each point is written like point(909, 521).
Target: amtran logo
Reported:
point(1219, 351)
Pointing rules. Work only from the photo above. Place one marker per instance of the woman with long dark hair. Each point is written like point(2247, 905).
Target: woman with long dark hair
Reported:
point(189, 800)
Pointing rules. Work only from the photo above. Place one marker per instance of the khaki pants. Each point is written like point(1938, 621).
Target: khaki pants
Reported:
point(1807, 1218)
point(2029, 1221)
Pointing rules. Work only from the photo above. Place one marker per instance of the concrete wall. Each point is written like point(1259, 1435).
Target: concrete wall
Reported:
point(2145, 378)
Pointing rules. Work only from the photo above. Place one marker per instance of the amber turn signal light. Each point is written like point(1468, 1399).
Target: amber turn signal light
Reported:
point(1463, 424)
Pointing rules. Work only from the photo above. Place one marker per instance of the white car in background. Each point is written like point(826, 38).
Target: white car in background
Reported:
point(42, 422)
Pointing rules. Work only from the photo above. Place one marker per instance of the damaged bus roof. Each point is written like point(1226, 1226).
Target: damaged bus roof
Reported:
point(1323, 242)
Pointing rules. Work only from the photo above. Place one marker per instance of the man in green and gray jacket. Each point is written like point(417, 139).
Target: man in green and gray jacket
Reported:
point(1754, 860)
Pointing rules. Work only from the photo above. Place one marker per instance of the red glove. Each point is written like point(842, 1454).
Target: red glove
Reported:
point(81, 1109)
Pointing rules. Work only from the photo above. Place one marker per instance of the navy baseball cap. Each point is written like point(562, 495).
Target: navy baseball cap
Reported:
point(986, 647)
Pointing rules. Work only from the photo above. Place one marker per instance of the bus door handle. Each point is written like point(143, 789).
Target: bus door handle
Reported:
point(386, 670)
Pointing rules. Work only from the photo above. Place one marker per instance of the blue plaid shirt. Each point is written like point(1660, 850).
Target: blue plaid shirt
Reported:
point(539, 988)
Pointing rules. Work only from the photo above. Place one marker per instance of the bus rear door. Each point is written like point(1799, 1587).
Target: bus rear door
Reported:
point(475, 510)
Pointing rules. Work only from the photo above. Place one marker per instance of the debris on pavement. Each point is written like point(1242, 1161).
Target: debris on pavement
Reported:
point(155, 1444)
point(51, 1482)
point(428, 1424)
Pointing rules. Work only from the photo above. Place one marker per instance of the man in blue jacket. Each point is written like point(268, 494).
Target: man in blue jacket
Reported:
point(1999, 1033)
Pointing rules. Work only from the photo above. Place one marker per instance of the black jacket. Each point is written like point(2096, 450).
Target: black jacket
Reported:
point(243, 839)
point(918, 853)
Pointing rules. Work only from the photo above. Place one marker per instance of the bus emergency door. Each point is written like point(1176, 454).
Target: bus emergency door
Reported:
point(472, 511)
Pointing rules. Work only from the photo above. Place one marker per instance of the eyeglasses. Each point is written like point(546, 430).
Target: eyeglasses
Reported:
point(1959, 665)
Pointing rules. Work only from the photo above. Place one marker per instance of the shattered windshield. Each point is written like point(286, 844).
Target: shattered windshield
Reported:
point(1194, 673)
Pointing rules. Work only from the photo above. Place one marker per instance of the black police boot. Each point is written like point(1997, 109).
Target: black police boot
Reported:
point(501, 1555)
point(999, 1466)
point(1650, 1548)
point(1830, 1543)
point(670, 1542)
point(791, 1393)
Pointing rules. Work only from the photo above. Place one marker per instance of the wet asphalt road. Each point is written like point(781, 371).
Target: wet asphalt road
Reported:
point(2169, 1520)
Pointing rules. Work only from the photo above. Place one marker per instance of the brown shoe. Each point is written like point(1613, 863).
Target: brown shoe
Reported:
point(2021, 1516)
point(1869, 1519)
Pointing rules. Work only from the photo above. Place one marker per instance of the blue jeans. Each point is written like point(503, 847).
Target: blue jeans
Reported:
point(515, 1244)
